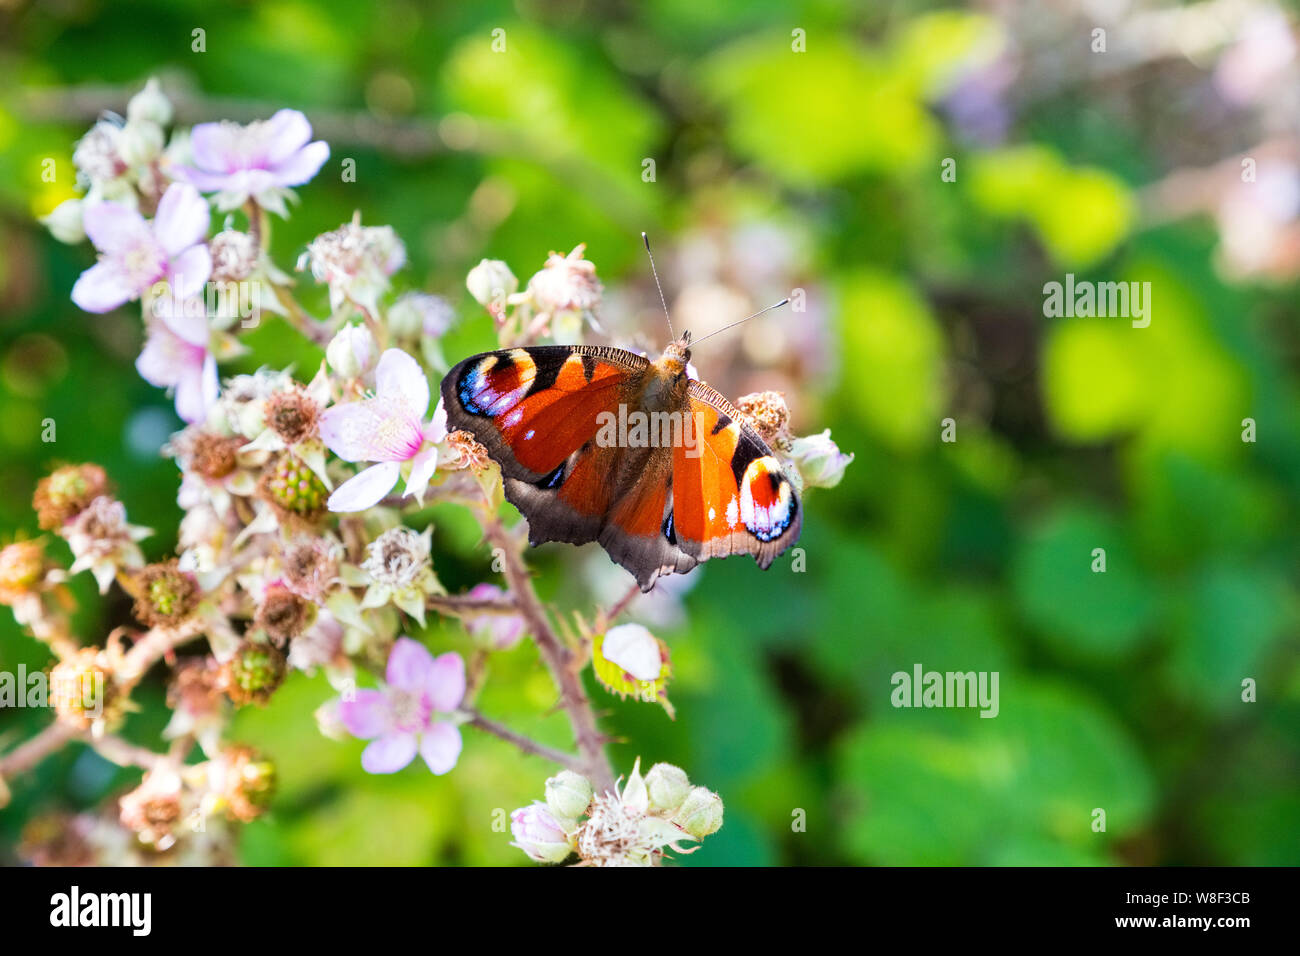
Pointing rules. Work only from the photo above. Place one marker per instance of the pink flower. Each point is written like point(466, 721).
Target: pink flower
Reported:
point(388, 429)
point(399, 719)
point(259, 160)
point(135, 254)
point(498, 631)
point(176, 356)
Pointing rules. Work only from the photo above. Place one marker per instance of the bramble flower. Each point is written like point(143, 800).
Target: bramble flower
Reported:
point(214, 469)
point(539, 834)
point(398, 570)
point(291, 420)
point(83, 690)
point(621, 828)
point(101, 168)
point(197, 703)
point(497, 631)
point(259, 160)
point(820, 462)
point(176, 356)
point(768, 413)
point(310, 566)
point(566, 284)
point(400, 719)
point(241, 783)
point(135, 254)
point(322, 645)
point(102, 542)
point(355, 261)
point(387, 429)
point(154, 808)
point(23, 574)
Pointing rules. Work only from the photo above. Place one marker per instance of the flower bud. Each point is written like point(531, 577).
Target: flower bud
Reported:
point(351, 353)
point(82, 689)
point(568, 795)
point(668, 787)
point(539, 834)
point(700, 813)
point(491, 282)
point(819, 460)
point(247, 782)
point(634, 649)
point(418, 313)
point(150, 105)
point(140, 142)
point(65, 223)
point(66, 492)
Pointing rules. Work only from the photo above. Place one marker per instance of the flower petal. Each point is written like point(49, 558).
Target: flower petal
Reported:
point(440, 747)
point(446, 682)
point(191, 397)
point(213, 147)
point(367, 715)
point(423, 466)
point(399, 378)
point(363, 490)
point(182, 219)
point(102, 288)
point(189, 270)
point(370, 430)
point(389, 754)
point(112, 227)
point(410, 665)
point(302, 165)
point(283, 135)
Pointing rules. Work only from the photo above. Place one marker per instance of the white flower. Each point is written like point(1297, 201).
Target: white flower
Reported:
point(355, 261)
point(102, 542)
point(399, 571)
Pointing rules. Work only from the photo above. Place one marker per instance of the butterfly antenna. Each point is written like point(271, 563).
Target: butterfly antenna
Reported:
point(775, 305)
point(655, 273)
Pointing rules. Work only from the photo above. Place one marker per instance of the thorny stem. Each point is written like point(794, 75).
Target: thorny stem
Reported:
point(594, 762)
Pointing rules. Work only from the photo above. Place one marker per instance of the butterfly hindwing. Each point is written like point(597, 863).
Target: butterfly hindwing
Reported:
point(732, 497)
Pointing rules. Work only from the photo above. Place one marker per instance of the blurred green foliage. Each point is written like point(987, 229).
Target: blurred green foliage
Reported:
point(1120, 691)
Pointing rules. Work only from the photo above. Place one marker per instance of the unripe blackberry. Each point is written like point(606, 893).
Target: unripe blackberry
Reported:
point(293, 489)
point(253, 673)
point(63, 494)
point(165, 595)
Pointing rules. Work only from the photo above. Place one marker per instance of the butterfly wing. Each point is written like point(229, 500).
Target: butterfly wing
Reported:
point(730, 496)
point(535, 410)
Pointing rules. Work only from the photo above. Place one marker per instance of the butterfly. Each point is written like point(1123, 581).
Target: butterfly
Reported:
point(600, 444)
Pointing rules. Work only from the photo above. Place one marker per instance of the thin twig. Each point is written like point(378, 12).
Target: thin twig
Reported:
point(31, 752)
point(526, 744)
point(559, 659)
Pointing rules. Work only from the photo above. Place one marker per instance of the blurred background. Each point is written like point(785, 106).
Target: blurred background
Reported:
point(795, 146)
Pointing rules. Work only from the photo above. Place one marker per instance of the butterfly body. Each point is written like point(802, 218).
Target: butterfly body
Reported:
point(600, 444)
